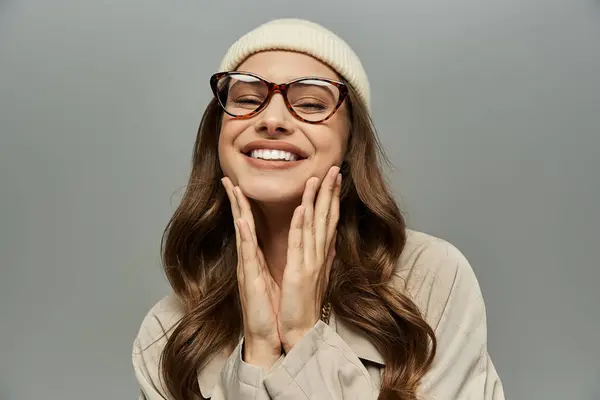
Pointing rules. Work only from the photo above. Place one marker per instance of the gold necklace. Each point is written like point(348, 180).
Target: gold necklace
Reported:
point(326, 312)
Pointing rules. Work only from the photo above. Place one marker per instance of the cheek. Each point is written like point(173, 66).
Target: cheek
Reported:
point(344, 145)
point(336, 151)
point(222, 145)
point(227, 136)
point(332, 144)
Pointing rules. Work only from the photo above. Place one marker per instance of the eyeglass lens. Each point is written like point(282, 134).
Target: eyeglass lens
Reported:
point(311, 99)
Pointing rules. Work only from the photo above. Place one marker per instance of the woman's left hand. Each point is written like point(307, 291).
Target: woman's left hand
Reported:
point(311, 250)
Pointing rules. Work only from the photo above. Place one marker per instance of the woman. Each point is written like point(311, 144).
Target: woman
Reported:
point(294, 276)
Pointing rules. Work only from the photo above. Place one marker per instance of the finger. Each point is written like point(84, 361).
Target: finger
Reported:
point(234, 211)
point(261, 261)
point(334, 211)
point(245, 211)
point(295, 253)
point(235, 208)
point(308, 226)
point(322, 212)
point(251, 269)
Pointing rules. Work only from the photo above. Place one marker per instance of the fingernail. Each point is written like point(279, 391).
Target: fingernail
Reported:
point(339, 179)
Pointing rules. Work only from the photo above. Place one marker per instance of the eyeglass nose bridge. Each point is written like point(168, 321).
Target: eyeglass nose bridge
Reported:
point(280, 88)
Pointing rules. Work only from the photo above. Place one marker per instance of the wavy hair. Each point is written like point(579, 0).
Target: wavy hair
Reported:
point(199, 255)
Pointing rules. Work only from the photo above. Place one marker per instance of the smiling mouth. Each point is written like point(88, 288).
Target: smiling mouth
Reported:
point(273, 155)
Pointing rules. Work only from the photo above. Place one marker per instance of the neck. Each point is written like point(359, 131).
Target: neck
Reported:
point(272, 228)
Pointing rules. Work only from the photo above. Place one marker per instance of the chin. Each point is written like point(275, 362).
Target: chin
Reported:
point(269, 190)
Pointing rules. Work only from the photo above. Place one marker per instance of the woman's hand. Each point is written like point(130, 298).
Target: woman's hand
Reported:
point(311, 250)
point(259, 294)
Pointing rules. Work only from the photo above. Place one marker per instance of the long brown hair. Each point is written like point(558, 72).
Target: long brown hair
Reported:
point(200, 262)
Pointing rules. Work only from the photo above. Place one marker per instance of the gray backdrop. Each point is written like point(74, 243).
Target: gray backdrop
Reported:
point(490, 111)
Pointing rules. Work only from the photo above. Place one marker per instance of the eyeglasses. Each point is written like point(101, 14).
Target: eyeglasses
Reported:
point(310, 99)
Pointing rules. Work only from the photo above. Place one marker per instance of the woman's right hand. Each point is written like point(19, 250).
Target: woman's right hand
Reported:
point(259, 293)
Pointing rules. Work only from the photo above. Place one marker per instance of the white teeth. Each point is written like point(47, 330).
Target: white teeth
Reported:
point(267, 154)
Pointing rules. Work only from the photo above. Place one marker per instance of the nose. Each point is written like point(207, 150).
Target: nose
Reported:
point(275, 118)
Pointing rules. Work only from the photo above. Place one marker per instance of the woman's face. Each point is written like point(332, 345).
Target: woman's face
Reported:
point(322, 145)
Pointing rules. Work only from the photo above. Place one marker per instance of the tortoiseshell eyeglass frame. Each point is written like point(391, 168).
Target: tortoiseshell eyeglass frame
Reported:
point(278, 88)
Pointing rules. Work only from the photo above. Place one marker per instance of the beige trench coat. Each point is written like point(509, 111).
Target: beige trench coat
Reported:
point(334, 362)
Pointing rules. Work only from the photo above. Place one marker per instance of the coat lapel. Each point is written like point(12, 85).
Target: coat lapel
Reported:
point(358, 342)
point(209, 375)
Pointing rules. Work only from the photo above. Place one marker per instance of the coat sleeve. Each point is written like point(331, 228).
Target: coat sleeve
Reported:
point(146, 374)
point(320, 366)
point(236, 380)
point(449, 295)
point(239, 380)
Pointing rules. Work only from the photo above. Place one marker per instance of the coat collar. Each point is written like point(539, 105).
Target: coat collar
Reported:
point(357, 341)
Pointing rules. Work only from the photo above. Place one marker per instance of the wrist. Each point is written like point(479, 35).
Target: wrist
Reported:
point(290, 339)
point(260, 354)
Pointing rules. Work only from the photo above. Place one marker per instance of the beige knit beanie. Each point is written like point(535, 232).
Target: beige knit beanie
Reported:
point(304, 37)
